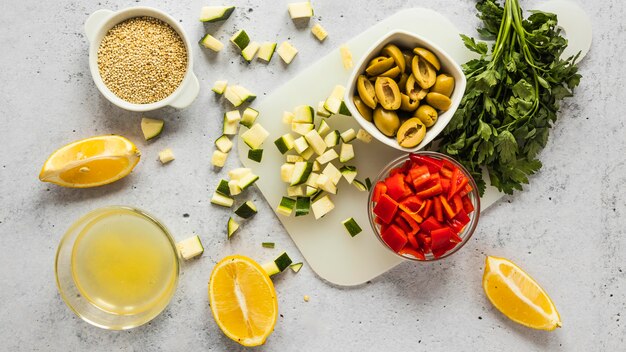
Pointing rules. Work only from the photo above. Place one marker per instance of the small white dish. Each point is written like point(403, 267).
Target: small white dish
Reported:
point(404, 39)
point(97, 26)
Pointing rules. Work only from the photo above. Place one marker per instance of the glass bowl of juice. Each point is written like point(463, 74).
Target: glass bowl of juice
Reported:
point(117, 267)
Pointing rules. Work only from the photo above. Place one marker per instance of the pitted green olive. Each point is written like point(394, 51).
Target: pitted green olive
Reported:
point(408, 104)
point(413, 90)
point(379, 67)
point(428, 56)
point(364, 110)
point(427, 114)
point(376, 60)
point(395, 53)
point(387, 93)
point(391, 73)
point(402, 81)
point(423, 71)
point(438, 101)
point(366, 91)
point(411, 133)
point(443, 85)
point(408, 58)
point(386, 121)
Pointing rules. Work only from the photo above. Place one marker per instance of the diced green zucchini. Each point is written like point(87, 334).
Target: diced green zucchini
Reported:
point(216, 13)
point(279, 264)
point(294, 158)
point(239, 173)
point(310, 191)
point(347, 152)
point(363, 136)
point(323, 128)
point(295, 191)
point(287, 52)
point(249, 117)
point(332, 138)
point(321, 110)
point(300, 144)
point(285, 143)
point(307, 153)
point(231, 122)
point(333, 102)
point(240, 39)
point(326, 184)
point(303, 114)
point(151, 127)
point(301, 173)
point(348, 172)
point(319, 32)
point(332, 172)
point(302, 128)
point(247, 181)
point(359, 185)
point(343, 109)
point(238, 95)
point(322, 206)
point(368, 183)
point(317, 195)
point(296, 267)
point(224, 144)
point(219, 87)
point(246, 210)
point(266, 51)
point(303, 205)
point(233, 187)
point(351, 226)
point(288, 117)
point(286, 170)
point(328, 156)
point(316, 142)
point(300, 10)
point(166, 155)
point(210, 42)
point(231, 227)
point(348, 135)
point(190, 247)
point(255, 136)
point(222, 200)
point(223, 189)
point(250, 50)
point(255, 155)
point(316, 166)
point(267, 244)
point(286, 206)
point(312, 180)
point(219, 158)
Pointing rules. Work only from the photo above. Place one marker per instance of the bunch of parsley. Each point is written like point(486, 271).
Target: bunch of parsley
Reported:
point(512, 95)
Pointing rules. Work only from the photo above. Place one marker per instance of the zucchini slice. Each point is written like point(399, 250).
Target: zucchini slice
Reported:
point(312, 180)
point(277, 265)
point(296, 267)
point(233, 187)
point(328, 156)
point(316, 166)
point(210, 42)
point(333, 102)
point(368, 183)
point(255, 136)
point(286, 206)
point(286, 170)
point(219, 87)
point(223, 189)
point(238, 95)
point(301, 173)
point(246, 210)
point(316, 142)
point(240, 39)
point(239, 173)
point(322, 206)
point(300, 10)
point(249, 117)
point(295, 191)
point(268, 244)
point(324, 183)
point(231, 122)
point(321, 110)
point(303, 205)
point(332, 172)
point(215, 13)
point(287, 52)
point(310, 191)
point(349, 173)
point(332, 138)
point(231, 227)
point(219, 158)
point(266, 51)
point(348, 135)
point(347, 152)
point(255, 155)
point(166, 155)
point(247, 181)
point(294, 158)
point(284, 143)
point(250, 50)
point(190, 247)
point(224, 144)
point(363, 136)
point(323, 128)
point(303, 114)
point(359, 185)
point(302, 128)
point(222, 200)
point(352, 227)
point(151, 127)
point(300, 145)
point(307, 153)
point(319, 32)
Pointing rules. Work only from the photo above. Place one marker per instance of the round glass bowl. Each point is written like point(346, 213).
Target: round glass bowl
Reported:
point(117, 267)
point(468, 230)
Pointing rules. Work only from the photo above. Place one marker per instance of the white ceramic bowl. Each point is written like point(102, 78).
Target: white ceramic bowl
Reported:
point(97, 26)
point(405, 39)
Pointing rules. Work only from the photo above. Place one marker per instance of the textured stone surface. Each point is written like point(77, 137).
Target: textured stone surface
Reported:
point(566, 229)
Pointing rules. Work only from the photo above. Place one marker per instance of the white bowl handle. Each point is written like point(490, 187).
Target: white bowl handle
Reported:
point(95, 20)
point(188, 93)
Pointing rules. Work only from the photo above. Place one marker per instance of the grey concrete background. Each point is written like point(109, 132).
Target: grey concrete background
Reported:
point(566, 229)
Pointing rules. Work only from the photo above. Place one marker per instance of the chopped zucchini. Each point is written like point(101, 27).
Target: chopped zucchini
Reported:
point(222, 200)
point(210, 42)
point(351, 226)
point(326, 184)
point(310, 191)
point(303, 205)
point(332, 172)
point(295, 191)
point(238, 95)
point(255, 155)
point(349, 173)
point(316, 166)
point(255, 136)
point(286, 170)
point(247, 181)
point(216, 13)
point(307, 153)
point(249, 117)
point(219, 87)
point(287, 52)
point(300, 144)
point(267, 244)
point(300, 10)
point(303, 114)
point(223, 189)
point(246, 210)
point(151, 127)
point(231, 227)
point(346, 57)
point(368, 183)
point(231, 122)
point(250, 50)
point(328, 156)
point(321, 110)
point(190, 247)
point(343, 109)
point(166, 155)
point(285, 143)
point(239, 173)
point(322, 206)
point(219, 158)
point(288, 117)
point(294, 158)
point(332, 138)
point(333, 102)
point(279, 264)
point(363, 136)
point(240, 39)
point(316, 142)
point(348, 135)
point(319, 32)
point(233, 187)
point(347, 152)
point(266, 51)
point(323, 128)
point(359, 185)
point(224, 144)
point(296, 267)
point(312, 180)
point(301, 173)
point(317, 195)
point(302, 128)
point(286, 206)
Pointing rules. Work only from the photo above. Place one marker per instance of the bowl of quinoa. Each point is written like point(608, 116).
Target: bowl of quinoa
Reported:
point(140, 59)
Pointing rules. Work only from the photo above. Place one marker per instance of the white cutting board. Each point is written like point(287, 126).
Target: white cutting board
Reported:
point(325, 244)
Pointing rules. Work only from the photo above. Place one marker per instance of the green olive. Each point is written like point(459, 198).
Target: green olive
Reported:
point(387, 93)
point(376, 60)
point(443, 85)
point(395, 53)
point(428, 56)
point(366, 91)
point(413, 90)
point(438, 101)
point(402, 81)
point(364, 110)
point(411, 133)
point(386, 121)
point(407, 103)
point(391, 73)
point(379, 67)
point(408, 58)
point(423, 71)
point(427, 114)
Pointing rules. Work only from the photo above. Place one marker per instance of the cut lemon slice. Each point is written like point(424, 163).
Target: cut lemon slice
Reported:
point(91, 162)
point(243, 300)
point(518, 296)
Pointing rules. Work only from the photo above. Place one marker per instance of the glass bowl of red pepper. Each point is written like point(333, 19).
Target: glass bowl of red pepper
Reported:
point(424, 206)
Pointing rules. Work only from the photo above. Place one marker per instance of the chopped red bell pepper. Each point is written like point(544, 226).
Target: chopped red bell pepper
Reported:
point(427, 209)
point(396, 188)
point(424, 241)
point(458, 203)
point(460, 183)
point(412, 203)
point(437, 209)
point(401, 223)
point(453, 183)
point(462, 217)
point(379, 190)
point(412, 240)
point(447, 208)
point(456, 225)
point(434, 165)
point(410, 213)
point(412, 252)
point(395, 238)
point(447, 164)
point(419, 175)
point(414, 226)
point(467, 204)
point(441, 238)
point(430, 192)
point(445, 185)
point(430, 224)
point(386, 208)
point(466, 191)
point(446, 172)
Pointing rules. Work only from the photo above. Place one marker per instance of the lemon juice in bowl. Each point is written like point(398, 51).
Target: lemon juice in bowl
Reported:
point(117, 267)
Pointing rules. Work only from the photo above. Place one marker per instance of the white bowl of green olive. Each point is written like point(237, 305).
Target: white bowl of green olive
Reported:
point(405, 90)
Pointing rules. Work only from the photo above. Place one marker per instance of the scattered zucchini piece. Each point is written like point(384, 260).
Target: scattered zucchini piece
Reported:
point(255, 155)
point(332, 172)
point(240, 39)
point(166, 155)
point(151, 127)
point(239, 173)
point(267, 244)
point(210, 42)
point(295, 191)
point(300, 10)
point(322, 206)
point(250, 50)
point(324, 183)
point(310, 191)
point(294, 158)
point(334, 101)
point(246, 210)
point(319, 32)
point(347, 152)
point(368, 183)
point(303, 205)
point(286, 206)
point(231, 122)
point(255, 136)
point(359, 185)
point(249, 117)
point(219, 158)
point(328, 156)
point(303, 114)
point(323, 128)
point(346, 57)
point(222, 200)
point(352, 227)
point(231, 227)
point(300, 173)
point(296, 267)
point(286, 170)
point(316, 142)
point(300, 145)
point(307, 154)
point(349, 173)
point(332, 139)
point(363, 136)
point(277, 265)
point(233, 187)
point(219, 87)
point(247, 180)
point(266, 51)
point(223, 189)
point(215, 13)
point(316, 166)
point(321, 110)
point(238, 95)
point(302, 128)
point(287, 52)
point(190, 247)
point(284, 143)
point(224, 144)
point(348, 135)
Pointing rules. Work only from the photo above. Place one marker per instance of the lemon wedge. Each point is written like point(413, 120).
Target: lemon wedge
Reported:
point(518, 296)
point(243, 300)
point(91, 162)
